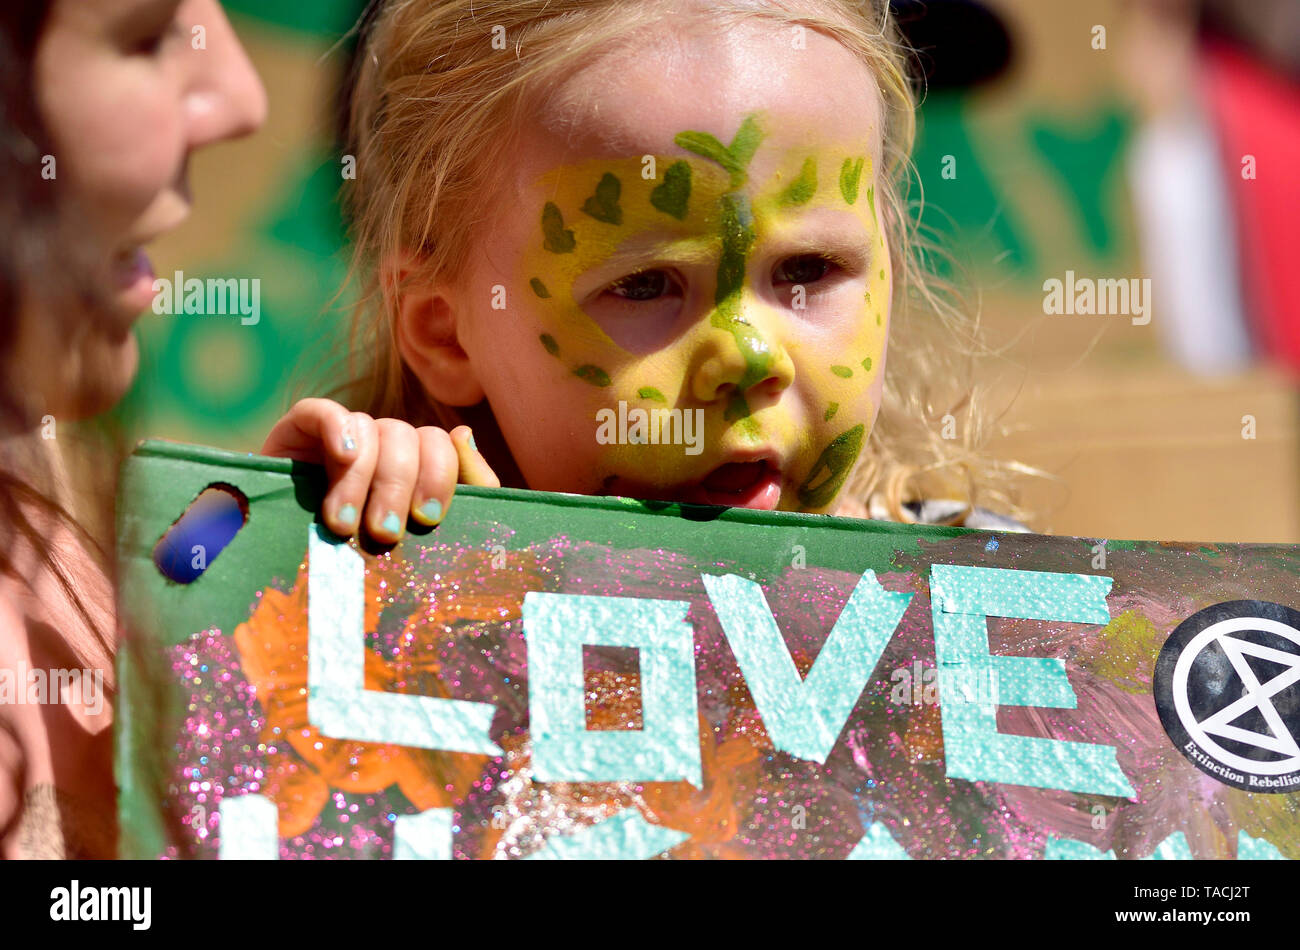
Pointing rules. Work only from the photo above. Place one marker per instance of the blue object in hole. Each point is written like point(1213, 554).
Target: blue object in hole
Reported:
point(209, 524)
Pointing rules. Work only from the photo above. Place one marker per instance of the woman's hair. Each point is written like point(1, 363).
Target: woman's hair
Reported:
point(434, 107)
point(26, 201)
point(36, 282)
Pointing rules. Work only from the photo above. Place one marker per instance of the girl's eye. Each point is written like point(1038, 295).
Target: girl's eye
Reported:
point(646, 285)
point(803, 269)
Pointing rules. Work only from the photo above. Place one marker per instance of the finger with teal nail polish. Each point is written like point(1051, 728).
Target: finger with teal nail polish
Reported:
point(347, 518)
point(430, 513)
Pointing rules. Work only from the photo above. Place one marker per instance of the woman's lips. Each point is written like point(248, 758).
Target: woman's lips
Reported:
point(133, 278)
point(742, 485)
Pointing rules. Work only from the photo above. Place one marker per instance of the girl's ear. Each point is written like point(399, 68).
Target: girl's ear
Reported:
point(428, 340)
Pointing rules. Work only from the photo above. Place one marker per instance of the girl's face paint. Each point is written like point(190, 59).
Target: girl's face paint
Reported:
point(702, 321)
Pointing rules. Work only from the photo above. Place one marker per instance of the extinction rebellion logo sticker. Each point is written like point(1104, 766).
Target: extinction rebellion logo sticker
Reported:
point(1227, 688)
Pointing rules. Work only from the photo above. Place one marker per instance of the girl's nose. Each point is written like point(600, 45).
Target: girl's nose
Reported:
point(744, 359)
point(224, 98)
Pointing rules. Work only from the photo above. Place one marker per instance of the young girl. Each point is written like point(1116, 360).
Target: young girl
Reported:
point(583, 208)
point(553, 228)
point(575, 211)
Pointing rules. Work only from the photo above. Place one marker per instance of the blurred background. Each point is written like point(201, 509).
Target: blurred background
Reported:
point(1138, 139)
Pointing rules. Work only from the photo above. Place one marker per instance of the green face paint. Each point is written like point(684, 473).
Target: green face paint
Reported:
point(832, 468)
point(737, 238)
point(707, 206)
point(850, 177)
point(871, 201)
point(749, 428)
point(592, 374)
point(603, 205)
point(581, 225)
point(803, 187)
point(672, 196)
point(557, 238)
point(734, 157)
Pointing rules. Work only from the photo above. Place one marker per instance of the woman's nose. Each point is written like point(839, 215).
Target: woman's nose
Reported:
point(744, 361)
point(225, 98)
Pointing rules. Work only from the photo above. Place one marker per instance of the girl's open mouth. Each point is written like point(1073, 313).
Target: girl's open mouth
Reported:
point(742, 485)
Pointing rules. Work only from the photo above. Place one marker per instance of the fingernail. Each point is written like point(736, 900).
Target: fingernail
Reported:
point(431, 511)
point(348, 515)
point(349, 443)
point(472, 446)
point(392, 524)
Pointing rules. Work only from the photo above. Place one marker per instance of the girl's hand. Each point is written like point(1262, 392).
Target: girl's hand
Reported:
point(380, 470)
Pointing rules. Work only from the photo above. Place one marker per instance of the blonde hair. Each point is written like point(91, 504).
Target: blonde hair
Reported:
point(435, 106)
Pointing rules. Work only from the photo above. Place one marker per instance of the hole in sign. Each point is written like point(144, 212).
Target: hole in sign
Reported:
point(195, 539)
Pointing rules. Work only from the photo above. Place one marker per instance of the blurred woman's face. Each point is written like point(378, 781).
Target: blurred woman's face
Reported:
point(127, 89)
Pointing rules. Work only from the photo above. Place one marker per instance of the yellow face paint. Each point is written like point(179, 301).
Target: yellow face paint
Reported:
point(839, 381)
point(608, 218)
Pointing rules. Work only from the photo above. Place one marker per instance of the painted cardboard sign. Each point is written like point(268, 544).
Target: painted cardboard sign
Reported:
point(549, 676)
